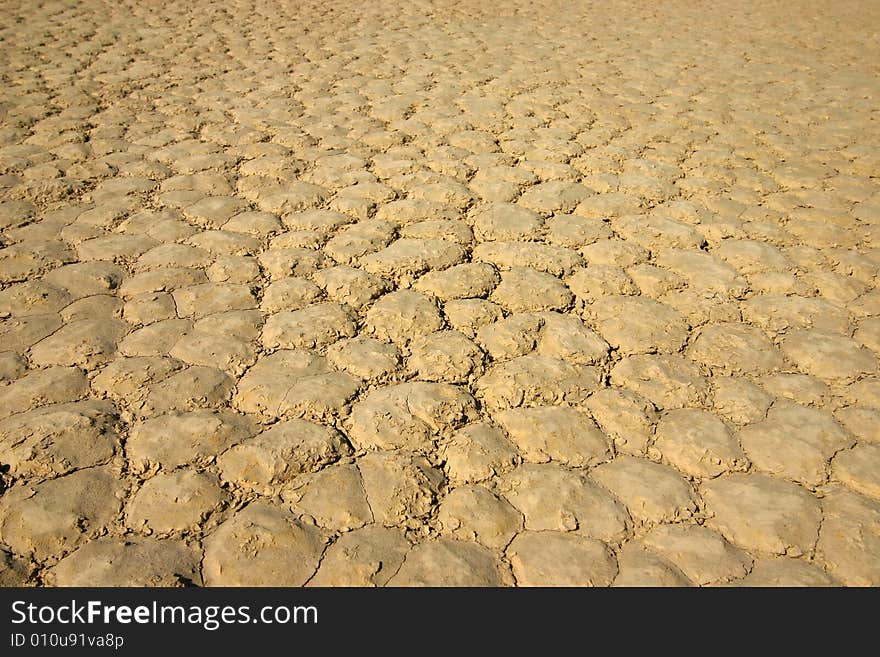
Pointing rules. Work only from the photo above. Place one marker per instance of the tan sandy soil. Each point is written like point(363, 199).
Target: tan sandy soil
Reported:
point(452, 293)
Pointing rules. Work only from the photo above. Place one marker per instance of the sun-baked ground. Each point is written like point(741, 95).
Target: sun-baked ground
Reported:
point(455, 293)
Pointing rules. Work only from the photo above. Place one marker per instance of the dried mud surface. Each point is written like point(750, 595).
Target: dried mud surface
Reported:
point(430, 293)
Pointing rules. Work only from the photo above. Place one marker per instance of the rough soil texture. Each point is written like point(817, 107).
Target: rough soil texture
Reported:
point(439, 293)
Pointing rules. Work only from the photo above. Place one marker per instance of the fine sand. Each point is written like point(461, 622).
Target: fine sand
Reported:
point(447, 293)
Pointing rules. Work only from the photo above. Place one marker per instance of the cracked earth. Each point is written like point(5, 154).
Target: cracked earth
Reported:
point(432, 293)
